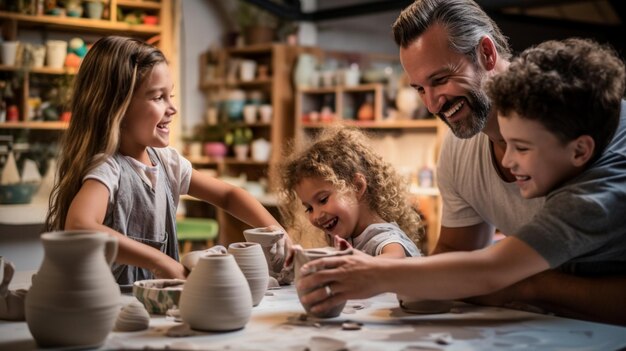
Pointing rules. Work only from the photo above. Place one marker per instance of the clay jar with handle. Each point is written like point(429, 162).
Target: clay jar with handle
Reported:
point(74, 299)
point(251, 261)
point(301, 257)
point(216, 296)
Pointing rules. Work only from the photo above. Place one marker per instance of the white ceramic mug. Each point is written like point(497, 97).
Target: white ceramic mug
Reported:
point(56, 50)
point(249, 113)
point(266, 111)
point(9, 52)
point(247, 70)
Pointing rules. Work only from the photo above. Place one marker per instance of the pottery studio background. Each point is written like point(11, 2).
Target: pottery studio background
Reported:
point(218, 85)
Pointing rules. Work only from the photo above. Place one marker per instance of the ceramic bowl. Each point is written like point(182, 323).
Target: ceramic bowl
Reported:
point(158, 295)
point(17, 193)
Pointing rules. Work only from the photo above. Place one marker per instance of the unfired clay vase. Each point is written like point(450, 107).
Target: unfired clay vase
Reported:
point(301, 257)
point(216, 296)
point(11, 301)
point(190, 259)
point(251, 261)
point(74, 299)
point(132, 317)
point(268, 237)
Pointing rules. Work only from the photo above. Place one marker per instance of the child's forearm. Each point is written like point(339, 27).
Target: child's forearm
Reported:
point(248, 209)
point(134, 253)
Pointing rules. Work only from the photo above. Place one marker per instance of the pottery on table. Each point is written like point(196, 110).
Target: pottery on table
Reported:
point(216, 295)
point(74, 299)
point(11, 301)
point(267, 237)
point(301, 257)
point(251, 261)
point(190, 259)
point(158, 295)
point(132, 317)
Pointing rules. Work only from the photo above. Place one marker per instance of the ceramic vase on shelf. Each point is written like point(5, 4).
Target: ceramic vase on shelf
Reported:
point(301, 257)
point(261, 150)
point(216, 295)
point(251, 261)
point(241, 151)
point(305, 66)
point(74, 299)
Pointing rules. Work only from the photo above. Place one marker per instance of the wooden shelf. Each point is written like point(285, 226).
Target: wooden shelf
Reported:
point(39, 70)
point(139, 4)
point(384, 124)
point(35, 125)
point(83, 25)
point(237, 83)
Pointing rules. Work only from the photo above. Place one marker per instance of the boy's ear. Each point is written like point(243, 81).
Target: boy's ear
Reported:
point(360, 184)
point(583, 148)
point(487, 53)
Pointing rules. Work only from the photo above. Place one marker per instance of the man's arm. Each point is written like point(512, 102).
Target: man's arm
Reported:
point(464, 238)
point(598, 299)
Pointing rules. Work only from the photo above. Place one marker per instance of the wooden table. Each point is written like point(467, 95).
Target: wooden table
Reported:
point(276, 325)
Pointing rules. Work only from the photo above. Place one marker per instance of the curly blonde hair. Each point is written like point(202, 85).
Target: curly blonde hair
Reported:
point(336, 156)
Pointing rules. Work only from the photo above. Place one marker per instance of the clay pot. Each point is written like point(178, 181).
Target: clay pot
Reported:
point(267, 238)
point(301, 257)
point(216, 296)
point(74, 299)
point(251, 261)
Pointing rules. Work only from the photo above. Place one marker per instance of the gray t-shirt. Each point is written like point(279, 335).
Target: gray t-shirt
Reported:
point(582, 227)
point(378, 235)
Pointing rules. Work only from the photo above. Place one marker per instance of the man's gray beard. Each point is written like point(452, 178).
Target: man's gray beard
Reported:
point(467, 128)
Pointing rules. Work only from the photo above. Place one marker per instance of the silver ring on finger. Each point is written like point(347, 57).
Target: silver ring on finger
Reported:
point(329, 292)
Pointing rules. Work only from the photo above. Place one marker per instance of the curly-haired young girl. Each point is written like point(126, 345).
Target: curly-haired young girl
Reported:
point(348, 190)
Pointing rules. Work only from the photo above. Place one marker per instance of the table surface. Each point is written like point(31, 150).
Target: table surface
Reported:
point(276, 324)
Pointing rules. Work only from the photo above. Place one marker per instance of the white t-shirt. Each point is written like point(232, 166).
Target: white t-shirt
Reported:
point(473, 192)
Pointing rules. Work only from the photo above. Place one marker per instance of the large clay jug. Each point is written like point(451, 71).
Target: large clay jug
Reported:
point(301, 257)
point(216, 296)
point(251, 261)
point(74, 299)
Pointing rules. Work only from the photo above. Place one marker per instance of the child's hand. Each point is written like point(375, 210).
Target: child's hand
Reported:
point(168, 268)
point(340, 243)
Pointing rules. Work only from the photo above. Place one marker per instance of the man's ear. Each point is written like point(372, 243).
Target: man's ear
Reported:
point(360, 185)
point(582, 150)
point(487, 53)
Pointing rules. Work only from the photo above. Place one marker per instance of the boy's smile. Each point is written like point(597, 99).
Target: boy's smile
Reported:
point(536, 157)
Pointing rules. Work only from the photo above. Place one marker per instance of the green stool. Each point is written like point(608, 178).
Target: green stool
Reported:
point(196, 229)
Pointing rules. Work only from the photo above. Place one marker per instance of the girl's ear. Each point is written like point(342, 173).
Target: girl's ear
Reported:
point(360, 184)
point(582, 150)
point(487, 53)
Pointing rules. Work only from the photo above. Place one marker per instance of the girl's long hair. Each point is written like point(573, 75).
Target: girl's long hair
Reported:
point(108, 76)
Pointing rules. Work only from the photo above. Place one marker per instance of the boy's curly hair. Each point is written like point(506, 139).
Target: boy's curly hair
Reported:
point(336, 156)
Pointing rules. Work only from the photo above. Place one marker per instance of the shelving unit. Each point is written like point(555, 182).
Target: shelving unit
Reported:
point(219, 73)
point(46, 27)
